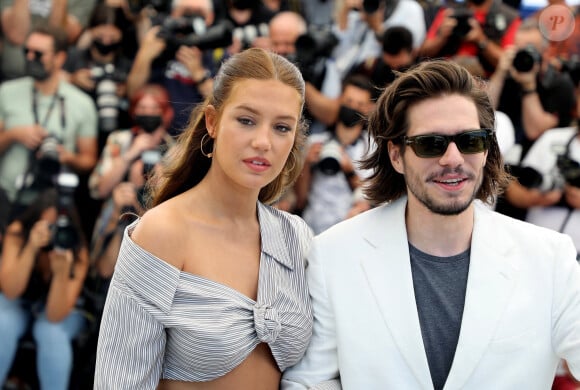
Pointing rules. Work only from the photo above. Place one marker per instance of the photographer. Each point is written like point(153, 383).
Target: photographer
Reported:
point(360, 23)
point(328, 189)
point(185, 70)
point(41, 277)
point(480, 28)
point(555, 202)
point(45, 122)
point(101, 69)
point(126, 162)
point(288, 30)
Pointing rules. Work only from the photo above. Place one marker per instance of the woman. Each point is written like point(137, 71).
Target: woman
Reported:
point(40, 283)
point(209, 289)
point(127, 160)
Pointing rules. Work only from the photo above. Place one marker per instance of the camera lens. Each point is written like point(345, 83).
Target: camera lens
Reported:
point(525, 59)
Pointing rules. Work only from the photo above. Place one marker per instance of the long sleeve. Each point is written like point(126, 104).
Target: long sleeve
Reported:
point(132, 337)
point(318, 369)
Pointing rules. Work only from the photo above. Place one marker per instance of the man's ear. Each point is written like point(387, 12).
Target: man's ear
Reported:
point(395, 156)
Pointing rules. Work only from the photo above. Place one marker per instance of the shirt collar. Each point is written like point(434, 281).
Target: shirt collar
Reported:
point(272, 234)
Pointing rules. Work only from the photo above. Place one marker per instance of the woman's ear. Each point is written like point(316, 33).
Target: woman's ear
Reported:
point(395, 156)
point(211, 119)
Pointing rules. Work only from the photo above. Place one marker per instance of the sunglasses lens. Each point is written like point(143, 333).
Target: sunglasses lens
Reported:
point(470, 142)
point(429, 145)
point(473, 142)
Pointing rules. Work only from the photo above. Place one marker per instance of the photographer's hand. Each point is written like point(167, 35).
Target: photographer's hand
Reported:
point(30, 136)
point(125, 194)
point(61, 261)
point(572, 195)
point(191, 57)
point(40, 235)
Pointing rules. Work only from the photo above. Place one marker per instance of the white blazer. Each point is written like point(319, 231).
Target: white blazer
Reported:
point(521, 315)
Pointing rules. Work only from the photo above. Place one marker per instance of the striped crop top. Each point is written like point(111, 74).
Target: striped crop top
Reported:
point(163, 323)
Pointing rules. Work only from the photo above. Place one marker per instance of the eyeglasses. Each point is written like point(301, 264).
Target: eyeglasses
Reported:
point(37, 53)
point(435, 145)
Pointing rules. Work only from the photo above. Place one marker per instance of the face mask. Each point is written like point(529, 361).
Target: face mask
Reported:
point(348, 116)
point(243, 4)
point(36, 70)
point(149, 123)
point(104, 49)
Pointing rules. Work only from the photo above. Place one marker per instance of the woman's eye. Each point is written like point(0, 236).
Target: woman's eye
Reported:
point(245, 121)
point(283, 128)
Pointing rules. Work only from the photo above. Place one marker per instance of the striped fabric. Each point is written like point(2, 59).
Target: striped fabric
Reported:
point(160, 322)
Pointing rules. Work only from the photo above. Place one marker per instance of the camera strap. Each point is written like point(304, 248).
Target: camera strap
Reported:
point(56, 97)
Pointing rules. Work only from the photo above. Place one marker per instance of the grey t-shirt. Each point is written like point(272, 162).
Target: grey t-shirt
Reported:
point(439, 284)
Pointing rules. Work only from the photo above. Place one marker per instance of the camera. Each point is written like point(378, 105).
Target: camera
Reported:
point(526, 58)
point(569, 169)
point(65, 232)
point(106, 78)
point(462, 15)
point(330, 156)
point(191, 31)
point(371, 6)
point(161, 6)
point(312, 49)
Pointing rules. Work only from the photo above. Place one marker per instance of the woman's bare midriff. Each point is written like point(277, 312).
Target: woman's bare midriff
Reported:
point(258, 372)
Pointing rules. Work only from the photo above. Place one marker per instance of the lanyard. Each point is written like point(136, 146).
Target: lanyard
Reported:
point(49, 111)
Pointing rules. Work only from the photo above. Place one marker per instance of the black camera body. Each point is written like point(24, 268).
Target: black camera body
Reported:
point(569, 169)
point(526, 58)
point(192, 31)
point(65, 234)
point(462, 15)
point(161, 6)
point(312, 50)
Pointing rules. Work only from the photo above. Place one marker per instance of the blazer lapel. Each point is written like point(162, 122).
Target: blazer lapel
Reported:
point(490, 282)
point(388, 271)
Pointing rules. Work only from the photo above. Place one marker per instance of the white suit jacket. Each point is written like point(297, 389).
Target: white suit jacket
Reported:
point(521, 315)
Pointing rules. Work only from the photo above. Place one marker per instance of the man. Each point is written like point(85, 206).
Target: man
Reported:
point(20, 16)
point(481, 28)
point(42, 115)
point(328, 187)
point(397, 55)
point(186, 73)
point(323, 83)
point(432, 289)
point(359, 25)
point(536, 98)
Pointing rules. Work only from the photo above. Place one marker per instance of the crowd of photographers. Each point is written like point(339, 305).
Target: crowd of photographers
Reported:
point(93, 93)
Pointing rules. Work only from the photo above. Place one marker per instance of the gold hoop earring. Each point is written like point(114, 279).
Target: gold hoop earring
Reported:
point(208, 155)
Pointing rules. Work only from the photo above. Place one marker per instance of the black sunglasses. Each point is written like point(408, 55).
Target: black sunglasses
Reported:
point(37, 53)
point(435, 145)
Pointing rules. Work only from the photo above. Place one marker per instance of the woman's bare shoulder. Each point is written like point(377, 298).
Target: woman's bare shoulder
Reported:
point(160, 232)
